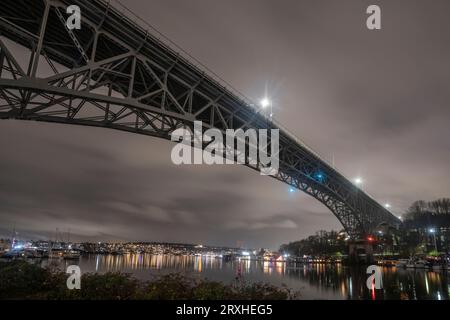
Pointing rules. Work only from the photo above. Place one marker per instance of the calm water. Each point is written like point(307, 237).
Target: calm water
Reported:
point(316, 281)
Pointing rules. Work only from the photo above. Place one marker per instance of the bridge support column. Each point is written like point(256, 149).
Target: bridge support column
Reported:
point(360, 252)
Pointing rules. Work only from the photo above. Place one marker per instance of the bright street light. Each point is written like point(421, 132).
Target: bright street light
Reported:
point(358, 181)
point(265, 103)
point(387, 205)
point(433, 232)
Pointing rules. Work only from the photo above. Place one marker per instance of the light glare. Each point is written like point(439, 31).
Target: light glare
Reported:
point(265, 103)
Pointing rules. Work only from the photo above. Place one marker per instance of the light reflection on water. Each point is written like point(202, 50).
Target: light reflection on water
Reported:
point(316, 281)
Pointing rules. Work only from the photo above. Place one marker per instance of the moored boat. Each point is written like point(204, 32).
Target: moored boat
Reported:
point(439, 267)
point(388, 263)
point(421, 264)
point(417, 264)
point(71, 255)
point(402, 263)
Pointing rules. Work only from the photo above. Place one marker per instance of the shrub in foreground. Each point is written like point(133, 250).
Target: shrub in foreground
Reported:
point(21, 280)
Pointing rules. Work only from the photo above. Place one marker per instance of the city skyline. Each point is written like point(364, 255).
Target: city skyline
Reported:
point(375, 104)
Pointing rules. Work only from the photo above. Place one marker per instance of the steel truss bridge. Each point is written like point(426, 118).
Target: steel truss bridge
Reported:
point(114, 73)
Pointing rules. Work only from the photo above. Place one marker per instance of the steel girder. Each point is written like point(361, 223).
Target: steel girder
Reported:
point(114, 74)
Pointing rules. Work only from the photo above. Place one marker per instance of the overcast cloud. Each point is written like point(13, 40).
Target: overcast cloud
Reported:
point(376, 100)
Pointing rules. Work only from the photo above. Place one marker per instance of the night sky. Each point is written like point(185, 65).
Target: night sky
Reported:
point(376, 100)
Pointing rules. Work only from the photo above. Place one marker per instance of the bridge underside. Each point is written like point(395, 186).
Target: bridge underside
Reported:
point(114, 74)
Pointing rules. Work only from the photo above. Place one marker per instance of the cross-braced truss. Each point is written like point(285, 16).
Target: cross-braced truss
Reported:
point(114, 74)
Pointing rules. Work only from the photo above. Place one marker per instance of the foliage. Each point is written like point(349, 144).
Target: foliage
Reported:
point(21, 280)
point(433, 253)
point(419, 219)
point(322, 243)
point(423, 212)
point(179, 287)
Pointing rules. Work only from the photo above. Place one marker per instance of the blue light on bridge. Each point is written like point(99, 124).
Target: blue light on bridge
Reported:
point(291, 190)
point(319, 176)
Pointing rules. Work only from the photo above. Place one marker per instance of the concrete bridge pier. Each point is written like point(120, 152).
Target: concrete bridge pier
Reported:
point(360, 252)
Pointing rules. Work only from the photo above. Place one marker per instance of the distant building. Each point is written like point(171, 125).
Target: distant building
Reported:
point(5, 245)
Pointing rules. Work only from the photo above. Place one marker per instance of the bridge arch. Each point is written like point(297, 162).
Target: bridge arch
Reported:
point(119, 76)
